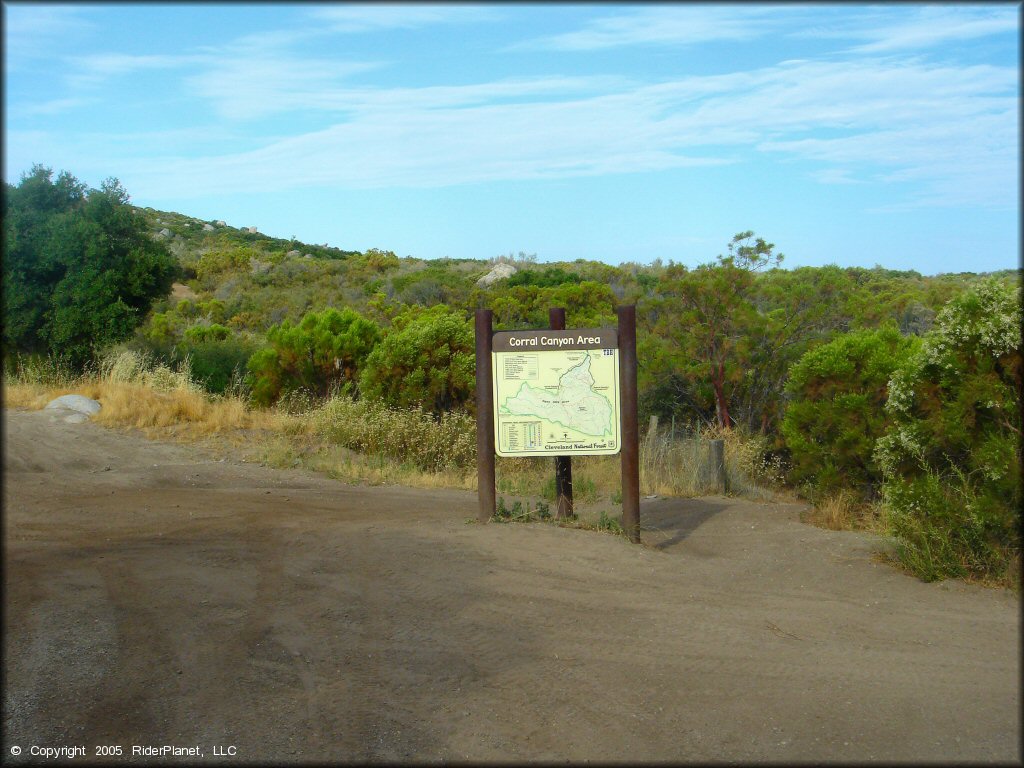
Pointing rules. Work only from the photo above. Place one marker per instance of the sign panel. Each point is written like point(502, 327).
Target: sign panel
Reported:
point(556, 393)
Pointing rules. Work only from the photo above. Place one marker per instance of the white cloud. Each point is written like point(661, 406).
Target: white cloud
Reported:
point(929, 127)
point(243, 88)
point(441, 147)
point(835, 176)
point(36, 31)
point(94, 69)
point(676, 25)
point(367, 18)
point(934, 25)
point(934, 127)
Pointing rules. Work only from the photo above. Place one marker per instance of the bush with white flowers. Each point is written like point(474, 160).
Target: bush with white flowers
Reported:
point(951, 457)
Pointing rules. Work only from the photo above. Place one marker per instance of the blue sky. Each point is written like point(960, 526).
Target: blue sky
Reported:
point(847, 134)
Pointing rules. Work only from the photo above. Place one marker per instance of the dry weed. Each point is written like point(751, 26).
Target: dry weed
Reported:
point(836, 512)
point(845, 511)
point(360, 441)
point(431, 444)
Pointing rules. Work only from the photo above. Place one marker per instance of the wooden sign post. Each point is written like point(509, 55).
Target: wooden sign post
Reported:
point(558, 393)
point(630, 427)
point(563, 464)
point(484, 418)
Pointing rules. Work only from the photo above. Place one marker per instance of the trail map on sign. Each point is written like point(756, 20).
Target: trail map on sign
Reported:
point(556, 402)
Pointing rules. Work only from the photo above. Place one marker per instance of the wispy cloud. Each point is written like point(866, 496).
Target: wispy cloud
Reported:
point(246, 88)
point(95, 69)
point(835, 176)
point(37, 31)
point(888, 30)
point(933, 25)
point(429, 147)
point(369, 18)
point(237, 82)
point(935, 127)
point(956, 163)
point(944, 132)
point(681, 25)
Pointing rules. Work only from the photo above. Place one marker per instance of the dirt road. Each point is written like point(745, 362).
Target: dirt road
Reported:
point(155, 596)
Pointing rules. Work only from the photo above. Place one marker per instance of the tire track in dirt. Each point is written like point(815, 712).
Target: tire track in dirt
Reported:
point(131, 699)
point(275, 636)
point(57, 651)
point(404, 652)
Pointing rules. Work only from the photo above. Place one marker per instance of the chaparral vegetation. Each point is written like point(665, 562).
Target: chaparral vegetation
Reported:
point(887, 398)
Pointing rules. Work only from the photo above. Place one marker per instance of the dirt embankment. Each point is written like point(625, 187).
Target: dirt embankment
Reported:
point(157, 596)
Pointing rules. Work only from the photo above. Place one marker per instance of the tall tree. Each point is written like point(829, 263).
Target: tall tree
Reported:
point(710, 317)
point(80, 270)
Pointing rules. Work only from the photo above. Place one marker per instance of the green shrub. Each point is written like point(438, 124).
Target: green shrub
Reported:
point(437, 283)
point(323, 352)
point(504, 513)
point(543, 278)
point(214, 263)
point(836, 415)
point(198, 334)
point(587, 304)
point(427, 360)
point(610, 524)
point(216, 360)
point(943, 528)
point(951, 459)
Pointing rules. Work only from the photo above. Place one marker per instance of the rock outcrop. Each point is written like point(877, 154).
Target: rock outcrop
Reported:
point(498, 272)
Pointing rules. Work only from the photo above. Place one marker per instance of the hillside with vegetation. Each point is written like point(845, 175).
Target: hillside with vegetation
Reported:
point(889, 397)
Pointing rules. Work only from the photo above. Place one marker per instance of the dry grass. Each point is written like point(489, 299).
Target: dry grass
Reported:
point(686, 466)
point(349, 466)
point(844, 511)
point(680, 468)
point(357, 441)
point(137, 393)
point(593, 477)
point(184, 413)
point(835, 513)
point(409, 436)
point(677, 467)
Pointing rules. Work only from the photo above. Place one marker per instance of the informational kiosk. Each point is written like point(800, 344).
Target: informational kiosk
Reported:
point(558, 393)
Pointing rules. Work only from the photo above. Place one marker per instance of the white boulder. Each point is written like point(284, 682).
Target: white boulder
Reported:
point(73, 409)
point(499, 272)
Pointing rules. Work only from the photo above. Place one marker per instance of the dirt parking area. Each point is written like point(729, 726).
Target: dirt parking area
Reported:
point(157, 596)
